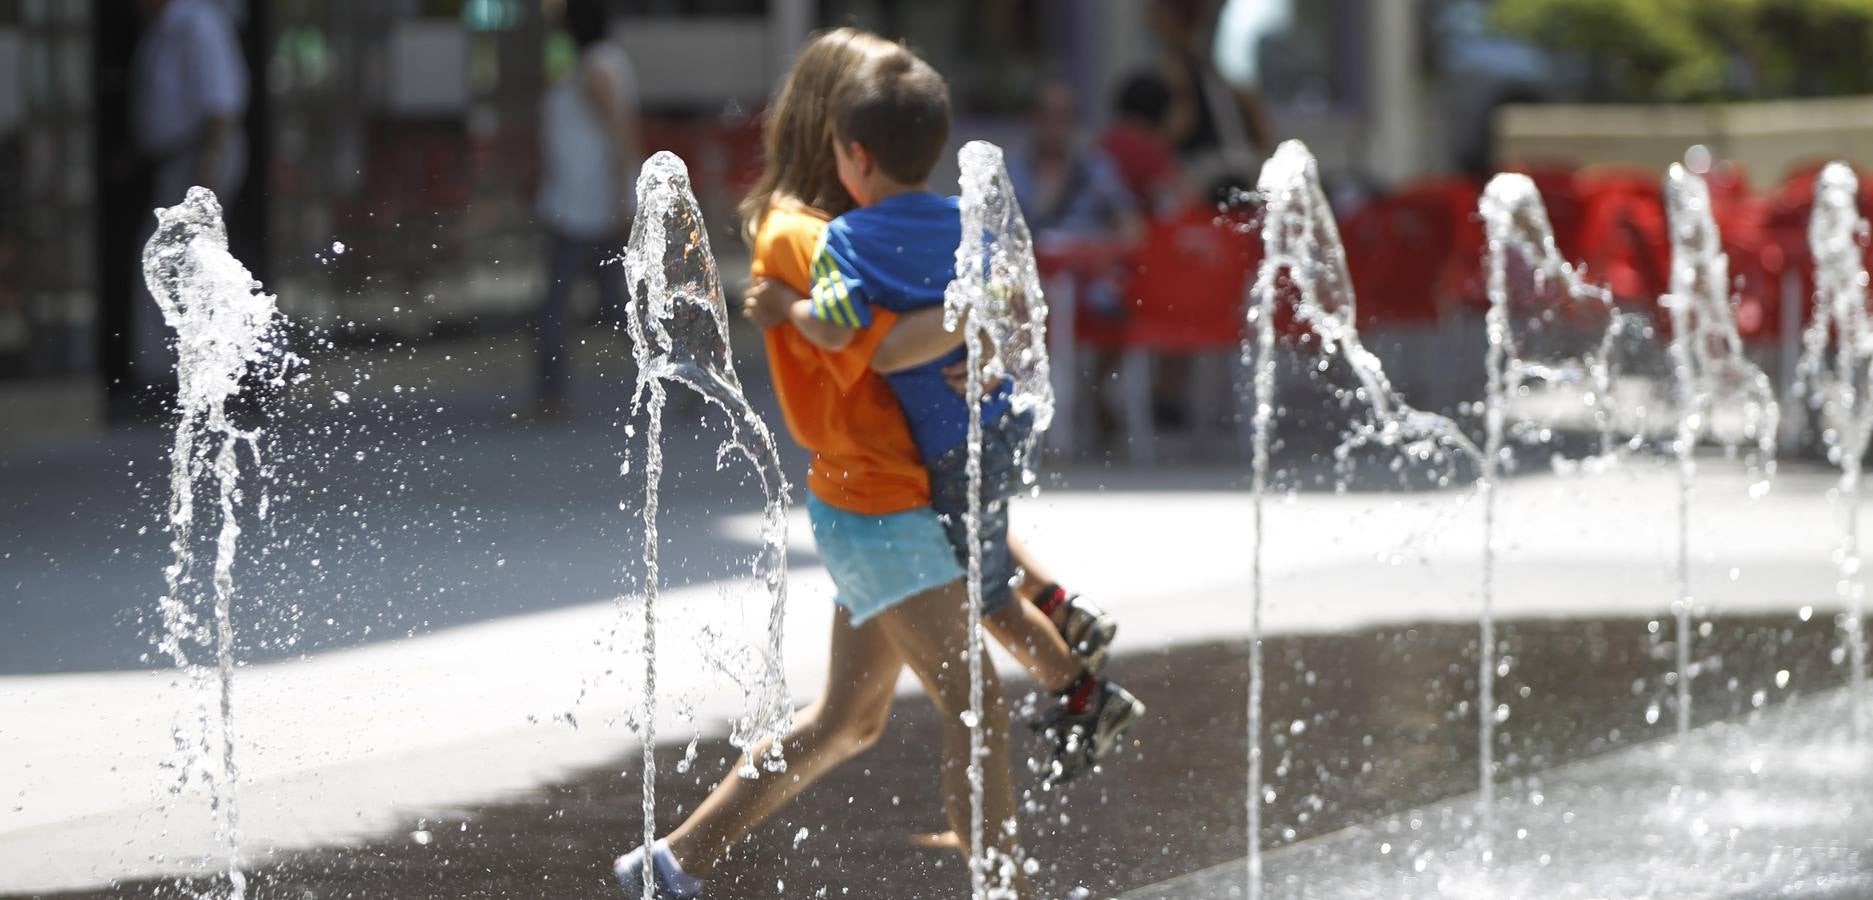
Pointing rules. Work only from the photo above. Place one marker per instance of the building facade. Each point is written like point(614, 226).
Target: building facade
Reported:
point(405, 131)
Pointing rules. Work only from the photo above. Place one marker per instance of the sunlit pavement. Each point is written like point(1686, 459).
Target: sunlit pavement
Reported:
point(351, 744)
point(463, 598)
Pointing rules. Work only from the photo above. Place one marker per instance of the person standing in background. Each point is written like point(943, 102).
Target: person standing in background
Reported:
point(188, 96)
point(591, 148)
point(1138, 148)
point(1222, 133)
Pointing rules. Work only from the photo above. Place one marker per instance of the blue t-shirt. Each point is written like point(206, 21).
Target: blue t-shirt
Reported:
point(900, 254)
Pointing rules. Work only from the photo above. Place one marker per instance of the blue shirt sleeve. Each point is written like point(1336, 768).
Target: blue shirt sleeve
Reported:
point(838, 289)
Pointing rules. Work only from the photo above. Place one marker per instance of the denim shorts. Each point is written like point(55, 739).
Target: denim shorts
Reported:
point(1007, 442)
point(877, 562)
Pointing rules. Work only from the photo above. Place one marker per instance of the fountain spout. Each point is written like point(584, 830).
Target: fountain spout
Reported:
point(1305, 260)
point(225, 331)
point(996, 299)
point(1837, 232)
point(678, 324)
point(1710, 371)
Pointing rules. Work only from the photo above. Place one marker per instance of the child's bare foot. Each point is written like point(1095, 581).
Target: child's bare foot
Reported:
point(940, 840)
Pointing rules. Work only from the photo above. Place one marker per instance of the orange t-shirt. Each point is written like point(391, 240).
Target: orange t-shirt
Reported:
point(834, 404)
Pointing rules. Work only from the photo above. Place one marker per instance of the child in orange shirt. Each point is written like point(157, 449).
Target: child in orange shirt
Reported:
point(886, 265)
point(900, 600)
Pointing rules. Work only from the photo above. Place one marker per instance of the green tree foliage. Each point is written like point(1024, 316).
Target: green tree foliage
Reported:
point(1687, 50)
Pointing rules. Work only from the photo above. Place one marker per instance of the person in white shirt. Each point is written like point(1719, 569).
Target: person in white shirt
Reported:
point(590, 152)
point(188, 95)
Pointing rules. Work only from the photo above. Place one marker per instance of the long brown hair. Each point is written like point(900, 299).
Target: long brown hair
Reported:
point(797, 136)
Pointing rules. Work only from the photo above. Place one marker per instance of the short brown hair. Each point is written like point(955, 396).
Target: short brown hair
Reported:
point(798, 171)
point(898, 108)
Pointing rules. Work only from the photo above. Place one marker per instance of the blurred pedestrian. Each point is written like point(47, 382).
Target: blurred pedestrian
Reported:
point(591, 147)
point(1069, 190)
point(1084, 222)
point(1138, 146)
point(1222, 133)
point(188, 96)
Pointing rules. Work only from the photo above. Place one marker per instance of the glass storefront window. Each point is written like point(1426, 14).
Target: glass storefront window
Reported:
point(1287, 50)
point(47, 222)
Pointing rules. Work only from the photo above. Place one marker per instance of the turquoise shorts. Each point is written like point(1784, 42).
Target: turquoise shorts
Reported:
point(877, 562)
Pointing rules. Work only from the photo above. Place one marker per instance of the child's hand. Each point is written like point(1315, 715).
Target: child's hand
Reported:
point(767, 302)
point(956, 374)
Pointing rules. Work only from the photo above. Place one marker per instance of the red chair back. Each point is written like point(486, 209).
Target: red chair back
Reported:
point(1188, 283)
point(1412, 251)
point(1624, 237)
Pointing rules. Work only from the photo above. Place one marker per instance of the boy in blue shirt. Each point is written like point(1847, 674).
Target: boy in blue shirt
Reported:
point(897, 251)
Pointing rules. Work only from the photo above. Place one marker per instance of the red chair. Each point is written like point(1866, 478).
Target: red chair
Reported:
point(1624, 238)
point(1066, 269)
point(1413, 253)
point(1190, 275)
point(1415, 258)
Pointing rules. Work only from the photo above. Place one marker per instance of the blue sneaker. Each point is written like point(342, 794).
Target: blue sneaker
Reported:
point(671, 882)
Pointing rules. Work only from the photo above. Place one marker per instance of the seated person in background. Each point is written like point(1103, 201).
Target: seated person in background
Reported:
point(1073, 194)
point(1069, 191)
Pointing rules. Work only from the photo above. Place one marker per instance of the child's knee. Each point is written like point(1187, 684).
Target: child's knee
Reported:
point(856, 729)
point(865, 732)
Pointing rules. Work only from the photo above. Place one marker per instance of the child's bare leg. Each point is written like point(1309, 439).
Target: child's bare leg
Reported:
point(845, 721)
point(1035, 642)
point(932, 635)
point(1032, 575)
point(1086, 629)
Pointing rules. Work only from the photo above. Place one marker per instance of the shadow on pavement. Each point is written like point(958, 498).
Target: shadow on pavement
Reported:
point(1360, 726)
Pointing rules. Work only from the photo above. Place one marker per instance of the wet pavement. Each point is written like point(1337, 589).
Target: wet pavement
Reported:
point(430, 545)
point(1776, 803)
point(1363, 725)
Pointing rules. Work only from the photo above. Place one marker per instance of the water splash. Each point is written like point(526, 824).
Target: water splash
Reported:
point(225, 330)
point(1524, 264)
point(1709, 372)
point(996, 299)
point(1547, 323)
point(1837, 232)
point(678, 324)
point(1305, 260)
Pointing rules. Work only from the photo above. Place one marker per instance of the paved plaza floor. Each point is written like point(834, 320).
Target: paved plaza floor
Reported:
point(433, 598)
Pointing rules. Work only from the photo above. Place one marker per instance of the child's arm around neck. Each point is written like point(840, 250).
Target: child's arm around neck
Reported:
point(918, 337)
